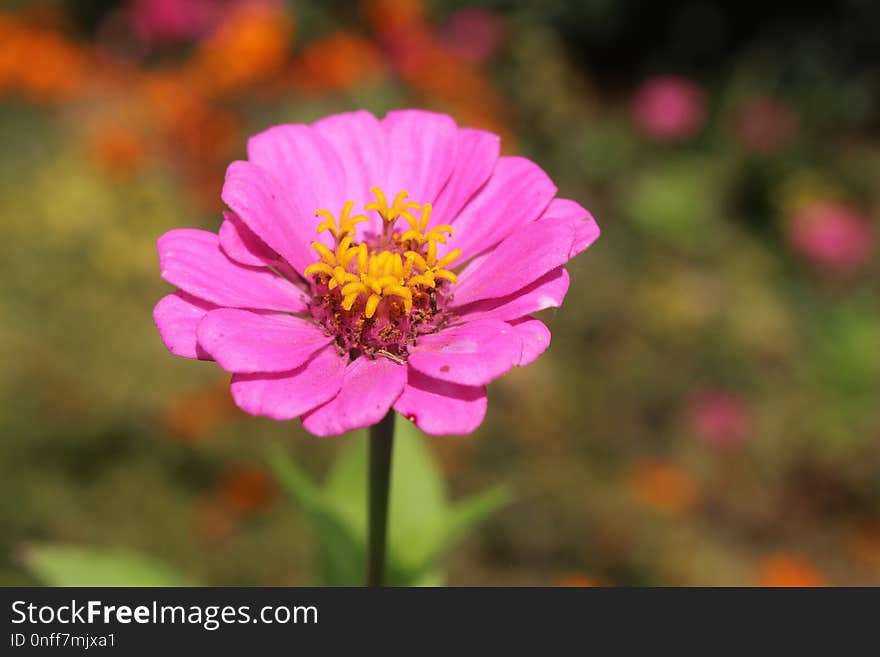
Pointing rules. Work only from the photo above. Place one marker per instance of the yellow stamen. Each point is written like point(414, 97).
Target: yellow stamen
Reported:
point(372, 304)
point(450, 257)
point(318, 268)
point(349, 300)
point(390, 213)
point(403, 270)
point(447, 275)
point(326, 254)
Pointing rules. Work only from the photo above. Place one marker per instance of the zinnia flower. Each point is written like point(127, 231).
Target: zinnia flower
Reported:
point(367, 264)
point(719, 418)
point(474, 34)
point(833, 236)
point(166, 21)
point(764, 124)
point(669, 108)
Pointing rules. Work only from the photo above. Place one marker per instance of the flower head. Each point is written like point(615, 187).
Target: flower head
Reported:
point(833, 236)
point(719, 418)
point(368, 264)
point(669, 108)
point(788, 569)
point(474, 34)
point(166, 21)
point(764, 124)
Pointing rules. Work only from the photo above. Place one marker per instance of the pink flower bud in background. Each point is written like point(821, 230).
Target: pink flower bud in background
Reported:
point(719, 418)
point(473, 34)
point(832, 236)
point(669, 108)
point(764, 124)
point(169, 21)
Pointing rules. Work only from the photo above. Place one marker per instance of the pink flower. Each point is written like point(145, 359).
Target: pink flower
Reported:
point(169, 21)
point(669, 108)
point(719, 418)
point(833, 236)
point(474, 34)
point(765, 124)
point(160, 22)
point(368, 264)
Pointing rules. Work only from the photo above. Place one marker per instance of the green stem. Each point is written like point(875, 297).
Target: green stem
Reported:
point(381, 442)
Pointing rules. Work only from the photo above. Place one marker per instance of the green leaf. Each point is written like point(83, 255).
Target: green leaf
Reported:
point(418, 499)
point(466, 515)
point(64, 565)
point(416, 517)
point(341, 551)
point(345, 489)
point(421, 523)
point(294, 480)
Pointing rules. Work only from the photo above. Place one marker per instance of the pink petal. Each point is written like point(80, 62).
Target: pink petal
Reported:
point(546, 292)
point(177, 316)
point(516, 194)
point(265, 206)
point(286, 395)
point(193, 261)
point(421, 153)
point(362, 146)
point(306, 165)
point(243, 341)
point(440, 408)
point(535, 338)
point(475, 159)
point(518, 261)
point(471, 354)
point(369, 389)
point(240, 244)
point(587, 230)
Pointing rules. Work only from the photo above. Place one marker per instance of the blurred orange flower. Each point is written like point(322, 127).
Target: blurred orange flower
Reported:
point(246, 489)
point(572, 580)
point(39, 63)
point(390, 17)
point(243, 490)
point(214, 520)
point(788, 569)
point(196, 128)
point(201, 136)
point(663, 486)
point(341, 61)
point(192, 415)
point(174, 99)
point(117, 151)
point(864, 545)
point(10, 31)
point(250, 45)
point(433, 70)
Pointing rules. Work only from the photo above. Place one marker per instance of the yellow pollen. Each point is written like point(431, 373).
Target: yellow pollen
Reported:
point(346, 224)
point(390, 213)
point(405, 266)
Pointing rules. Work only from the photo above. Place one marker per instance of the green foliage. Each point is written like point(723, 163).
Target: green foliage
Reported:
point(422, 523)
point(677, 202)
point(64, 565)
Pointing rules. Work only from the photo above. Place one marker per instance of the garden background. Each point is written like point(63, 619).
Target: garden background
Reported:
point(708, 411)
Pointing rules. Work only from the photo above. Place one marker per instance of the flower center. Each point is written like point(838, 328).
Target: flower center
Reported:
point(377, 295)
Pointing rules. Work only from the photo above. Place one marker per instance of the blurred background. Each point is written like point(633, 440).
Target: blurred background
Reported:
point(708, 412)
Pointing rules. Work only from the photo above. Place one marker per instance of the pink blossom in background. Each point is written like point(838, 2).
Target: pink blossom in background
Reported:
point(832, 236)
point(370, 264)
point(764, 124)
point(474, 34)
point(163, 22)
point(169, 21)
point(719, 418)
point(669, 108)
